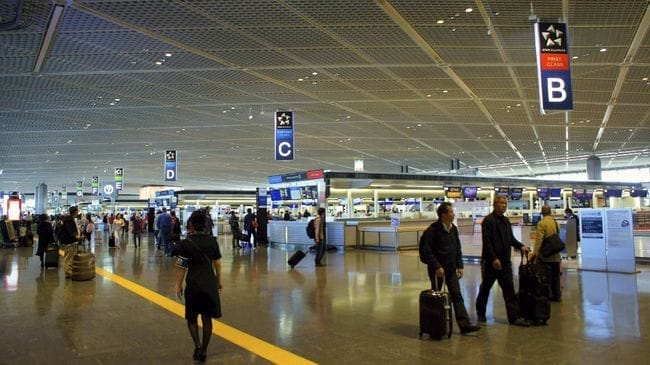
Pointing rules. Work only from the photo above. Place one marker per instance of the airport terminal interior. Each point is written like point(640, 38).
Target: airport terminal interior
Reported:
point(377, 111)
point(361, 308)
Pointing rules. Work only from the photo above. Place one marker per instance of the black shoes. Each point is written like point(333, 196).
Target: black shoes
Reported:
point(481, 318)
point(199, 355)
point(469, 329)
point(320, 265)
point(521, 322)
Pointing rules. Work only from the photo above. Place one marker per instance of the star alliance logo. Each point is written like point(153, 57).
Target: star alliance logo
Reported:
point(119, 171)
point(553, 38)
point(170, 155)
point(284, 120)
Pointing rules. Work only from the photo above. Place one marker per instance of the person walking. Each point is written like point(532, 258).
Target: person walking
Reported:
point(45, 234)
point(233, 221)
point(199, 263)
point(496, 264)
point(547, 227)
point(320, 236)
point(250, 225)
point(165, 229)
point(136, 229)
point(444, 258)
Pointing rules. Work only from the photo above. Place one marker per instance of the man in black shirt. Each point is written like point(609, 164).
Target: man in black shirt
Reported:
point(68, 237)
point(496, 264)
point(444, 259)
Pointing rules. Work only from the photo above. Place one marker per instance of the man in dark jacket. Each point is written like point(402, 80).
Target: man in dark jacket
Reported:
point(496, 264)
point(444, 259)
point(68, 237)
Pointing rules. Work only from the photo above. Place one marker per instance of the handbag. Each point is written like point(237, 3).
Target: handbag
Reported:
point(552, 244)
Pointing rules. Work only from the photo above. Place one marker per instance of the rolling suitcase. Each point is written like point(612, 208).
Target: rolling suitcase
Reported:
point(296, 258)
point(83, 266)
point(52, 256)
point(111, 242)
point(534, 291)
point(435, 313)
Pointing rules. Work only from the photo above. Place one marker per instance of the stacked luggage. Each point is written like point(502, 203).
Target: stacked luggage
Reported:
point(534, 291)
point(83, 266)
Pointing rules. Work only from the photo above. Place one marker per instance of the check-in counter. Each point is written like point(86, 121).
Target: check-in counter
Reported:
point(294, 233)
point(390, 238)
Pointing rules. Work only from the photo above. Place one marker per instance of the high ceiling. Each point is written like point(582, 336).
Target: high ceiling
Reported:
point(382, 81)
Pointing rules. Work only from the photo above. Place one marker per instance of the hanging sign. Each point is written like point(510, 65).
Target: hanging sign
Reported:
point(553, 67)
point(170, 165)
point(284, 136)
point(94, 186)
point(80, 188)
point(119, 178)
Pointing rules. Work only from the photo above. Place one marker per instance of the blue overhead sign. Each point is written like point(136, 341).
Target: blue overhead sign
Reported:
point(553, 67)
point(170, 165)
point(284, 136)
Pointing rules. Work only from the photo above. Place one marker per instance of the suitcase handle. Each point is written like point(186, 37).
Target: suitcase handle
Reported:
point(442, 286)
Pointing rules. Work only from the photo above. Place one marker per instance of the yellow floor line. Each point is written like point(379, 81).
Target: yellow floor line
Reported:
point(231, 334)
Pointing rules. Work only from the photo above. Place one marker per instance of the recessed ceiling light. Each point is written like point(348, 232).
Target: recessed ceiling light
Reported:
point(301, 79)
point(347, 117)
point(603, 50)
point(440, 21)
point(314, 83)
point(117, 99)
point(644, 79)
point(428, 95)
point(314, 73)
point(158, 63)
point(445, 91)
point(168, 54)
point(453, 29)
point(469, 10)
point(112, 103)
point(575, 57)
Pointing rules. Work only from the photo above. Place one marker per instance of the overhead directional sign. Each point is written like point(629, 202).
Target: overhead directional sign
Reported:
point(553, 67)
point(94, 186)
point(284, 136)
point(119, 178)
point(171, 157)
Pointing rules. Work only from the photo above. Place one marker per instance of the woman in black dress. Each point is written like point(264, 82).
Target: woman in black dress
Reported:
point(45, 233)
point(199, 257)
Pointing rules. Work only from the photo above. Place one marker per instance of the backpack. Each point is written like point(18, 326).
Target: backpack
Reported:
point(311, 229)
point(422, 246)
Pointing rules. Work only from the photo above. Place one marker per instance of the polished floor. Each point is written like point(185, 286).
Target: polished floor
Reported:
point(361, 308)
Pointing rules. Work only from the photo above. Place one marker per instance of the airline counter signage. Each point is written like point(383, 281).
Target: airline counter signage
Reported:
point(94, 186)
point(553, 67)
point(284, 136)
point(119, 178)
point(170, 165)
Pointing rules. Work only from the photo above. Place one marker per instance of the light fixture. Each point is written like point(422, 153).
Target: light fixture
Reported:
point(250, 114)
point(603, 50)
point(469, 10)
point(168, 54)
point(48, 39)
point(440, 21)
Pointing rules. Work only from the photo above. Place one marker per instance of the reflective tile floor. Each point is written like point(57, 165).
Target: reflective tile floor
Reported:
point(361, 308)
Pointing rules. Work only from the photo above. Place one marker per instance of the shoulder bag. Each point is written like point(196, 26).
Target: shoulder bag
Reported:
point(552, 244)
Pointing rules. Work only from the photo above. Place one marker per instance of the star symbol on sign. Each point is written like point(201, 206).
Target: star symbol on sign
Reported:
point(553, 37)
point(118, 171)
point(284, 119)
point(171, 155)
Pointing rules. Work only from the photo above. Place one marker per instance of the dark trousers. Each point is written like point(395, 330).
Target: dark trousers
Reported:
point(453, 286)
point(556, 291)
point(320, 251)
point(504, 277)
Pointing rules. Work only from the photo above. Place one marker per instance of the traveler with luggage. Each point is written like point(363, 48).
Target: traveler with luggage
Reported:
point(547, 227)
point(199, 263)
point(496, 264)
point(319, 236)
point(68, 237)
point(440, 250)
point(45, 234)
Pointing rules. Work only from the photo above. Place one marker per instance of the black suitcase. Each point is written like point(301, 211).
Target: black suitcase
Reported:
point(52, 256)
point(296, 258)
point(534, 291)
point(435, 314)
point(111, 241)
